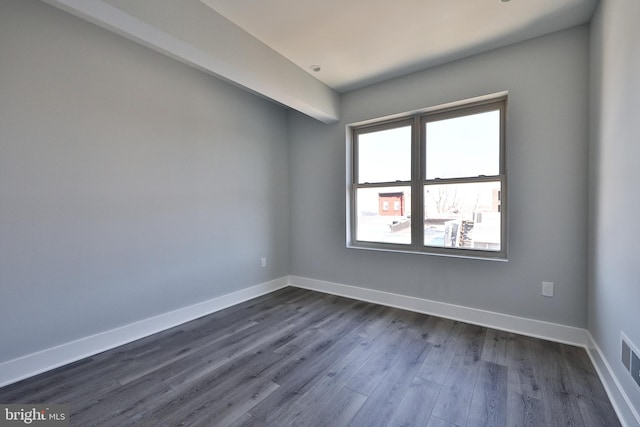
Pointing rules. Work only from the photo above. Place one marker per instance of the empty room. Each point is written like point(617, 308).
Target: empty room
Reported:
point(319, 213)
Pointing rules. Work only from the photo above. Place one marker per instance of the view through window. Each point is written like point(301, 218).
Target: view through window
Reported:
point(432, 182)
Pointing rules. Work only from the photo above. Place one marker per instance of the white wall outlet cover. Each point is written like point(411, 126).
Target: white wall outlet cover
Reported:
point(547, 289)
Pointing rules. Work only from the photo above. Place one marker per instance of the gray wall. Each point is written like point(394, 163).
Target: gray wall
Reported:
point(130, 184)
point(614, 275)
point(547, 80)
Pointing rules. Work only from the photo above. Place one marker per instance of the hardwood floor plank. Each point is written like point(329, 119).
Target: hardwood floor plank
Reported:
point(416, 405)
point(439, 422)
point(103, 371)
point(247, 420)
point(199, 389)
point(568, 374)
point(596, 412)
point(524, 411)
point(489, 403)
point(562, 409)
point(141, 366)
point(199, 384)
point(522, 373)
point(298, 373)
point(243, 420)
point(377, 324)
point(307, 410)
point(379, 362)
point(385, 399)
point(337, 409)
point(437, 364)
point(222, 408)
point(311, 407)
point(454, 401)
point(496, 347)
point(584, 377)
point(255, 364)
point(29, 388)
point(191, 377)
point(340, 409)
point(302, 358)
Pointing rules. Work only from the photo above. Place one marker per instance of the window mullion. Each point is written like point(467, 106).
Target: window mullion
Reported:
point(417, 214)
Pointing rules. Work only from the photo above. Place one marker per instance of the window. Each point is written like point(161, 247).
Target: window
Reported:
point(432, 182)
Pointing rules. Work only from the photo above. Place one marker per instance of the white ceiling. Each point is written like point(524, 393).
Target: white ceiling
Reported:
point(358, 42)
point(267, 46)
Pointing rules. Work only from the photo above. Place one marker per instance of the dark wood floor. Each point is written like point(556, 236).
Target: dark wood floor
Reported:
point(296, 357)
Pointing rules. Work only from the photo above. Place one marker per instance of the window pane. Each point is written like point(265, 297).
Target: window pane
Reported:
point(385, 156)
point(465, 146)
point(384, 215)
point(465, 216)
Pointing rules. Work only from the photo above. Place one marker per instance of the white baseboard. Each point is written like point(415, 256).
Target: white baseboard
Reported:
point(621, 402)
point(504, 322)
point(51, 358)
point(32, 364)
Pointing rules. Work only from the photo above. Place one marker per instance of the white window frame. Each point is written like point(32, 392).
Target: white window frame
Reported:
point(417, 120)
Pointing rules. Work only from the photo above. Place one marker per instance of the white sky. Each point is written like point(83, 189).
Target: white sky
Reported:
point(470, 146)
point(385, 156)
point(457, 147)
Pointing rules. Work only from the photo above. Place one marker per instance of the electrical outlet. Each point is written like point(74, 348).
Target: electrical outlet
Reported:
point(263, 262)
point(547, 289)
point(635, 367)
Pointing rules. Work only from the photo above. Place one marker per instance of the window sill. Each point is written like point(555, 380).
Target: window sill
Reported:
point(456, 254)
